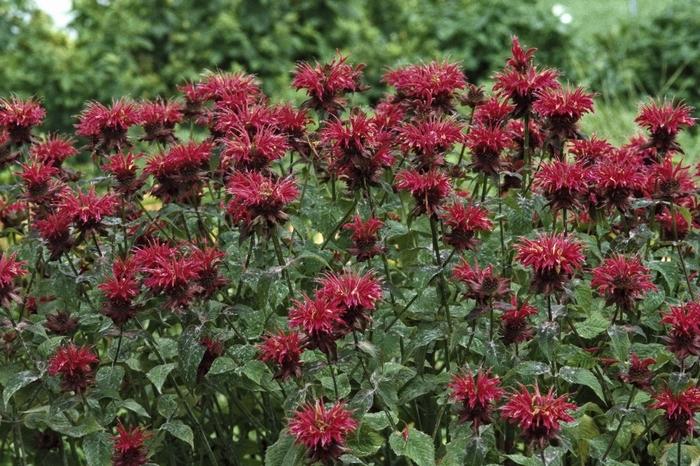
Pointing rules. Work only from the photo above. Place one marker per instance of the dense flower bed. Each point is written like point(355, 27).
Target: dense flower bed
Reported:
point(450, 276)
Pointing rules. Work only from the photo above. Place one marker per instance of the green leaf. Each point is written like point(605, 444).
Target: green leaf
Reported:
point(365, 442)
point(594, 325)
point(620, 342)
point(190, 355)
point(98, 449)
point(222, 365)
point(284, 452)
point(418, 446)
point(16, 383)
point(180, 430)
point(582, 376)
point(132, 405)
point(158, 374)
point(167, 405)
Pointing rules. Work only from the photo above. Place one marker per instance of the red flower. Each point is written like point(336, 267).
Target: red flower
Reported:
point(158, 119)
point(430, 140)
point(120, 290)
point(122, 166)
point(552, 257)
point(284, 349)
point(321, 320)
point(180, 172)
point(428, 189)
point(76, 366)
point(561, 110)
point(18, 117)
point(622, 281)
point(494, 112)
point(483, 285)
point(259, 199)
point(129, 448)
point(174, 277)
point(359, 149)
point(37, 179)
point(365, 237)
point(356, 295)
point(674, 226)
point(476, 395)
point(616, 178)
point(562, 183)
point(486, 144)
point(53, 150)
point(212, 350)
point(54, 229)
point(291, 121)
point(520, 59)
point(245, 152)
point(10, 270)
point(638, 373)
point(683, 338)
point(427, 86)
point(87, 209)
point(322, 431)
point(327, 83)
point(514, 325)
point(670, 182)
point(589, 151)
point(207, 261)
point(664, 120)
point(107, 126)
point(231, 88)
point(251, 118)
point(538, 416)
point(680, 411)
point(524, 86)
point(61, 323)
point(12, 214)
point(463, 222)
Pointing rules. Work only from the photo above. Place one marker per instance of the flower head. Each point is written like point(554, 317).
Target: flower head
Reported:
point(588, 151)
point(683, 338)
point(76, 367)
point(37, 179)
point(638, 373)
point(180, 172)
point(54, 229)
point(486, 144)
point(664, 120)
point(562, 183)
point(674, 225)
point(680, 409)
point(475, 395)
point(430, 140)
point(10, 270)
point(494, 112)
point(553, 259)
point(427, 86)
point(87, 209)
point(174, 277)
point(355, 295)
point(622, 281)
point(483, 285)
point(19, 116)
point(326, 84)
point(428, 189)
point(121, 289)
point(54, 150)
point(365, 237)
point(245, 152)
point(207, 261)
point(322, 430)
point(616, 177)
point(538, 416)
point(107, 126)
point(129, 448)
point(523, 87)
point(321, 320)
point(122, 166)
point(670, 182)
point(463, 222)
point(283, 349)
point(561, 109)
point(158, 119)
point(514, 325)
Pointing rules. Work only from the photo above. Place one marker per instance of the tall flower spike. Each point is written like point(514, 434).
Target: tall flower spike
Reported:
point(320, 320)
point(429, 86)
point(553, 259)
point(158, 119)
point(562, 183)
point(323, 431)
point(356, 295)
point(486, 144)
point(430, 140)
point(538, 416)
point(245, 152)
point(87, 209)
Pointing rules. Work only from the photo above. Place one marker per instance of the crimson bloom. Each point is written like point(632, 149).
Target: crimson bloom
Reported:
point(562, 183)
point(430, 140)
point(664, 120)
point(486, 144)
point(76, 367)
point(10, 270)
point(622, 281)
point(283, 349)
point(427, 86)
point(355, 295)
point(674, 225)
point(494, 112)
point(37, 179)
point(323, 431)
point(680, 409)
point(54, 229)
point(122, 166)
point(321, 320)
point(19, 116)
point(514, 325)
point(538, 416)
point(483, 285)
point(87, 209)
point(129, 448)
point(174, 277)
point(553, 259)
point(213, 349)
point(365, 237)
point(245, 152)
point(475, 395)
point(561, 109)
point(54, 150)
point(616, 177)
point(670, 182)
point(463, 222)
point(428, 189)
point(107, 126)
point(683, 338)
point(588, 151)
point(207, 261)
point(121, 289)
point(259, 200)
point(180, 172)
point(326, 84)
point(158, 119)
point(638, 373)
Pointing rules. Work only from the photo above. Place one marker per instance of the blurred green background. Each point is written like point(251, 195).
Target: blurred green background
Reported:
point(622, 49)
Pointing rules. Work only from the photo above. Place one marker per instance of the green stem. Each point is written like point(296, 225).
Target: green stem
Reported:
point(280, 260)
point(441, 285)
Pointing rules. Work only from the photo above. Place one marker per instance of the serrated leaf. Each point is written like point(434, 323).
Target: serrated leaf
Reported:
point(417, 446)
point(159, 374)
point(190, 355)
point(16, 382)
point(98, 449)
point(284, 452)
point(132, 405)
point(582, 376)
point(222, 365)
point(594, 325)
point(180, 430)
